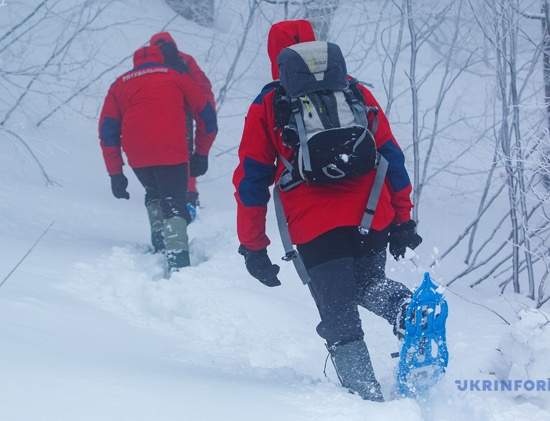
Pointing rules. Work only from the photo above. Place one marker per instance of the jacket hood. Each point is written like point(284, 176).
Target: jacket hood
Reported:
point(284, 34)
point(145, 55)
point(162, 37)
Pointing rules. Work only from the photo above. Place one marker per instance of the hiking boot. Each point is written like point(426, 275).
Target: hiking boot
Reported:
point(176, 242)
point(177, 259)
point(353, 366)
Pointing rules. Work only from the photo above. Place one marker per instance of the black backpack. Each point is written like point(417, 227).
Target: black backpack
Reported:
point(322, 116)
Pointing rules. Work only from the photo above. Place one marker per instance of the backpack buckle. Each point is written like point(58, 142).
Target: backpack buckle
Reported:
point(362, 230)
point(290, 255)
point(350, 96)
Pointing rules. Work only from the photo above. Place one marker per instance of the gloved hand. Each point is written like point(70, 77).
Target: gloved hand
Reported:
point(403, 236)
point(198, 165)
point(119, 182)
point(260, 267)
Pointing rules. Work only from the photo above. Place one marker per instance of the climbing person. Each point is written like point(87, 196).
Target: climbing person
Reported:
point(186, 63)
point(342, 194)
point(144, 114)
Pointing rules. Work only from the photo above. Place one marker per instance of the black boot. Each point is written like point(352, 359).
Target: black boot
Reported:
point(353, 366)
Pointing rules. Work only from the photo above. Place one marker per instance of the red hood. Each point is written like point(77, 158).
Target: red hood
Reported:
point(151, 54)
point(162, 36)
point(284, 34)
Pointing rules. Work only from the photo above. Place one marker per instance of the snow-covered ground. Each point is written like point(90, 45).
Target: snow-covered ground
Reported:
point(89, 330)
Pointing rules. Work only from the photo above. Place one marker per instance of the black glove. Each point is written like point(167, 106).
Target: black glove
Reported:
point(260, 267)
point(198, 165)
point(403, 236)
point(119, 182)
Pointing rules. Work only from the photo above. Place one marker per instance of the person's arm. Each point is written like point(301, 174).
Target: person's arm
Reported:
point(397, 178)
point(110, 123)
point(253, 177)
point(202, 143)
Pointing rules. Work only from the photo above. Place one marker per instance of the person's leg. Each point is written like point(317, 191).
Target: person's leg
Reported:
point(329, 260)
point(384, 297)
point(172, 186)
point(152, 204)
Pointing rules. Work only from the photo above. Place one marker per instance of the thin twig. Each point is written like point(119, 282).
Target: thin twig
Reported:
point(25, 20)
point(49, 180)
point(501, 317)
point(29, 251)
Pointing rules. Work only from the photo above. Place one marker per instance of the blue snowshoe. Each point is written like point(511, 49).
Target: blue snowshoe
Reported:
point(424, 355)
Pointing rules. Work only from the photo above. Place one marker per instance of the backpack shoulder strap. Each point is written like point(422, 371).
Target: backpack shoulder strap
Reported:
point(374, 197)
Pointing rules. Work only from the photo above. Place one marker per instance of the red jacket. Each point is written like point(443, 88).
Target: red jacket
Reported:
point(311, 210)
point(188, 64)
point(144, 114)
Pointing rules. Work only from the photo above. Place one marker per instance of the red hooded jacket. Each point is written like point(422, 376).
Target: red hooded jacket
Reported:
point(193, 68)
point(311, 210)
point(188, 64)
point(144, 114)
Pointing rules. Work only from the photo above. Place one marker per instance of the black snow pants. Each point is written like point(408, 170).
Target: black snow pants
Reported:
point(167, 183)
point(347, 269)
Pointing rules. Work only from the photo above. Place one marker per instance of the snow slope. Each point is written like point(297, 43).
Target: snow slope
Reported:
point(90, 331)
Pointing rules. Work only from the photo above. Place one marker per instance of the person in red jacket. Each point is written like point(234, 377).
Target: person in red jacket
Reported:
point(144, 114)
point(346, 267)
point(185, 63)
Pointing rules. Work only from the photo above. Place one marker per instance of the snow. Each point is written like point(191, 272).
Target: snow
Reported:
point(91, 331)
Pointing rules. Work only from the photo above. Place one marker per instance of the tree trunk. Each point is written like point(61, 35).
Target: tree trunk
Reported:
point(546, 77)
point(502, 51)
point(521, 191)
point(415, 109)
point(199, 11)
point(546, 57)
point(320, 13)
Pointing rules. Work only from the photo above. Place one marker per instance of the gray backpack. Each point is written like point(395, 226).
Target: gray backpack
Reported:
point(323, 118)
point(326, 120)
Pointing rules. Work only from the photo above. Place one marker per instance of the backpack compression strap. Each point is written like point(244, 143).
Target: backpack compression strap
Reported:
point(297, 115)
point(290, 253)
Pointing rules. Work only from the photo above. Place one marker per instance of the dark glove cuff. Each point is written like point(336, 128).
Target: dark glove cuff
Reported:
point(406, 226)
point(243, 251)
